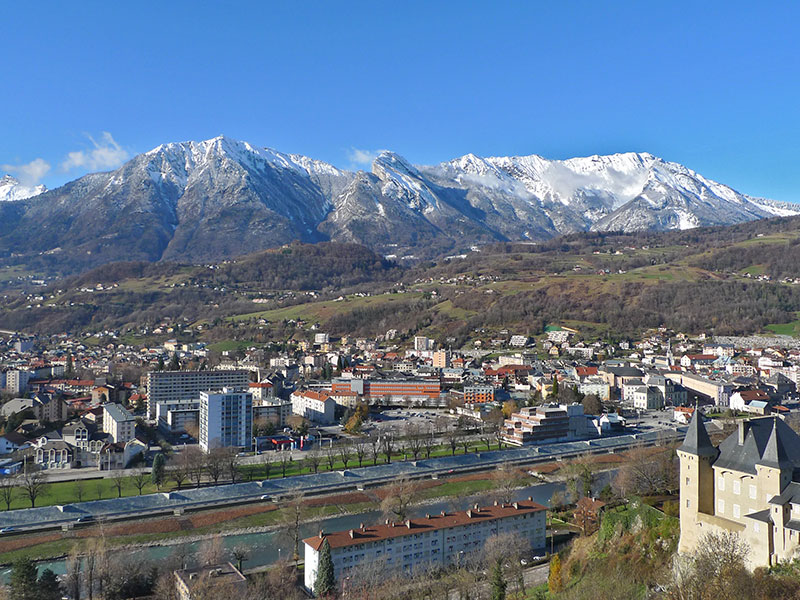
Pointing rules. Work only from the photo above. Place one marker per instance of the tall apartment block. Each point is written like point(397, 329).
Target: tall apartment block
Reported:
point(226, 419)
point(164, 386)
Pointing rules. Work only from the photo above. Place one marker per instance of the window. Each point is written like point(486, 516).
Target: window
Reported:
point(720, 506)
point(687, 481)
point(688, 503)
point(757, 527)
point(721, 482)
point(752, 492)
point(737, 487)
point(736, 511)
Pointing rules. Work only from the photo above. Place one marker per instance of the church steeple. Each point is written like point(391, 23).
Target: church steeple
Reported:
point(697, 441)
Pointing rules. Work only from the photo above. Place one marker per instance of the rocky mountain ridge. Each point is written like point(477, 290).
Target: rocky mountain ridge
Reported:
point(210, 200)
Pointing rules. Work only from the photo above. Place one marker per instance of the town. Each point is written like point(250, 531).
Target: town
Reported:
point(95, 434)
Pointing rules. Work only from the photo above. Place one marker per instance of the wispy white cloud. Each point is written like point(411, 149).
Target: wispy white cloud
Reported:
point(106, 154)
point(29, 174)
point(362, 158)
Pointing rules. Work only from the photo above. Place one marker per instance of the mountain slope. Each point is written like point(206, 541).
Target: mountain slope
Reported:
point(210, 200)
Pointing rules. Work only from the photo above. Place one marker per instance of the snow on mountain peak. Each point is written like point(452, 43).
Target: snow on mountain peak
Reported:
point(11, 189)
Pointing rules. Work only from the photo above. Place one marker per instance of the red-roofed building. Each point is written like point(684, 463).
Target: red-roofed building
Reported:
point(434, 541)
point(314, 406)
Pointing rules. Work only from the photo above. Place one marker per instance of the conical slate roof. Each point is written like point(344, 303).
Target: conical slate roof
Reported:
point(775, 454)
point(697, 441)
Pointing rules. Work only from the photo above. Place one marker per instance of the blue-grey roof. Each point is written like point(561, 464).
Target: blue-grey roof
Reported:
point(697, 441)
point(769, 442)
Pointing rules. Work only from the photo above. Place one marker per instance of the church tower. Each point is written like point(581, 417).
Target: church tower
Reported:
point(696, 455)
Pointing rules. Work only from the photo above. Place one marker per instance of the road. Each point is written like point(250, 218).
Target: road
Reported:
point(353, 479)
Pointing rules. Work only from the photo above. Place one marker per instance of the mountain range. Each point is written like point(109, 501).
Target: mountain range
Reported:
point(219, 198)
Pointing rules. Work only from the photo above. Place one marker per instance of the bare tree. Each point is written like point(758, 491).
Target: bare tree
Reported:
point(398, 498)
point(414, 439)
point(284, 461)
point(232, 464)
point(195, 464)
point(215, 463)
point(118, 479)
point(344, 453)
point(330, 455)
point(374, 449)
point(80, 489)
point(240, 554)
point(505, 480)
point(72, 578)
point(33, 485)
point(360, 447)
point(266, 463)
point(290, 521)
point(8, 490)
point(647, 471)
point(453, 437)
point(507, 550)
point(179, 468)
point(313, 459)
point(211, 551)
point(428, 443)
point(139, 479)
point(387, 445)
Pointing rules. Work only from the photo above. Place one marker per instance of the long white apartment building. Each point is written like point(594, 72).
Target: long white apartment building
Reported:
point(165, 386)
point(226, 419)
point(433, 541)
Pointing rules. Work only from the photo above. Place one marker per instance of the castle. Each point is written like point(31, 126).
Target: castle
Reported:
point(749, 485)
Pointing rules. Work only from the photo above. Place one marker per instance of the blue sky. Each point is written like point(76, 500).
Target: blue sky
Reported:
point(713, 85)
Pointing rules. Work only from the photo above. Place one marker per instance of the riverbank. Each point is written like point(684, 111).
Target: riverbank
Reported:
point(264, 518)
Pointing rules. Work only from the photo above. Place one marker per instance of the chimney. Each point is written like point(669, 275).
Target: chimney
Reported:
point(427, 515)
point(516, 505)
point(386, 522)
point(444, 514)
point(530, 498)
point(361, 526)
point(475, 506)
point(321, 533)
point(352, 534)
point(469, 514)
point(495, 502)
point(408, 523)
point(742, 431)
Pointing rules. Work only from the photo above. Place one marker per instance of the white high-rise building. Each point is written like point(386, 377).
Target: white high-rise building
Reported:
point(226, 419)
point(165, 386)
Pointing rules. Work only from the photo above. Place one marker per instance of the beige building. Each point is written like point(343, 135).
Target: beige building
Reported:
point(745, 486)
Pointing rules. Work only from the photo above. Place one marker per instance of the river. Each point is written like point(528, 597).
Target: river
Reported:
point(268, 547)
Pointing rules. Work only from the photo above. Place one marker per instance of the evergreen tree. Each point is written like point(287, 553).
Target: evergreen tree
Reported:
point(24, 585)
point(174, 363)
point(498, 583)
point(157, 474)
point(324, 583)
point(555, 385)
point(49, 588)
point(69, 372)
point(554, 581)
point(160, 366)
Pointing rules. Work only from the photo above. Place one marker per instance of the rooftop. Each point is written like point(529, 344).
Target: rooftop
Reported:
point(444, 520)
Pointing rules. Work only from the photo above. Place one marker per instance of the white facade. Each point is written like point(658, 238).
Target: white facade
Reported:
point(314, 406)
point(119, 423)
point(226, 419)
point(432, 541)
point(164, 386)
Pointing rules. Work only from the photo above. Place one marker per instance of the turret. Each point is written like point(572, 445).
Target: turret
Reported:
point(697, 455)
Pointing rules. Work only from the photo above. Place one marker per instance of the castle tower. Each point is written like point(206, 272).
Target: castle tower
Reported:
point(696, 455)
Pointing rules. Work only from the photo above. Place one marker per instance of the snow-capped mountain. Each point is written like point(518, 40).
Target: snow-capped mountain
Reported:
point(219, 198)
point(11, 189)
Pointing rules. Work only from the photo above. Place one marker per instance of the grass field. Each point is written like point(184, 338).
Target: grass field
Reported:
point(792, 328)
